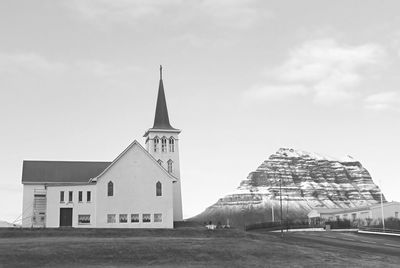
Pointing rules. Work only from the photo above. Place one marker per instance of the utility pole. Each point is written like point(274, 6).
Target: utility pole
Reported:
point(287, 213)
point(383, 216)
point(272, 209)
point(280, 200)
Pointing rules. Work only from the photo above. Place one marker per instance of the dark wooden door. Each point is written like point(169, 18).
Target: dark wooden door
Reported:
point(65, 217)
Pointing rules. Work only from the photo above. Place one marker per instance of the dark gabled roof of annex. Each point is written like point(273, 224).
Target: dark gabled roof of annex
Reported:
point(61, 171)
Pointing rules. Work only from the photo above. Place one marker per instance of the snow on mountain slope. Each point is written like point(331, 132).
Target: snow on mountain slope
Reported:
point(306, 180)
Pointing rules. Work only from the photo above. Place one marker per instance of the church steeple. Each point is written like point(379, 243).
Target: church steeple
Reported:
point(162, 142)
point(161, 119)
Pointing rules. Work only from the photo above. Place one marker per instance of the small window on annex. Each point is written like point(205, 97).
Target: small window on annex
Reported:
point(88, 196)
point(110, 218)
point(70, 194)
point(146, 218)
point(172, 144)
point(123, 218)
point(80, 196)
point(134, 217)
point(156, 142)
point(163, 144)
point(62, 196)
point(83, 219)
point(158, 189)
point(157, 217)
point(110, 188)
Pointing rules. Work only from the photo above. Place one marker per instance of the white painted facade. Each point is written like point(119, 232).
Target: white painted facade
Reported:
point(146, 185)
point(83, 207)
point(168, 158)
point(134, 175)
point(363, 215)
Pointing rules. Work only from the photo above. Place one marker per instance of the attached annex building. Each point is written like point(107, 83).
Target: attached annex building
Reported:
point(141, 188)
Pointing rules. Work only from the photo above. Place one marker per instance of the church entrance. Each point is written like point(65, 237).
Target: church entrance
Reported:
point(65, 217)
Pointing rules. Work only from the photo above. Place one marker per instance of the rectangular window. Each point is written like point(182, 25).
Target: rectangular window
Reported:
point(146, 218)
point(62, 196)
point(169, 166)
point(134, 217)
point(123, 218)
point(83, 219)
point(163, 145)
point(70, 196)
point(158, 217)
point(396, 215)
point(354, 216)
point(171, 144)
point(110, 218)
point(156, 141)
point(88, 196)
point(80, 196)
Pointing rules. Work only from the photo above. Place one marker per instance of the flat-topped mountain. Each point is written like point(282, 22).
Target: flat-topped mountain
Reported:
point(307, 180)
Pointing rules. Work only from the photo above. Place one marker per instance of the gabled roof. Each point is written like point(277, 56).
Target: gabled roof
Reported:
point(61, 171)
point(135, 142)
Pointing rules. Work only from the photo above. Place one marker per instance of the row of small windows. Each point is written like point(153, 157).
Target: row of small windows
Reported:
point(71, 195)
point(171, 144)
point(134, 218)
point(123, 218)
point(110, 189)
point(169, 164)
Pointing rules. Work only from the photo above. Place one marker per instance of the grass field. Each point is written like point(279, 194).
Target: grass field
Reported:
point(182, 247)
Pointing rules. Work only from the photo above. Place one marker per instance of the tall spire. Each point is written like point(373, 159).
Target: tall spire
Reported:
point(161, 119)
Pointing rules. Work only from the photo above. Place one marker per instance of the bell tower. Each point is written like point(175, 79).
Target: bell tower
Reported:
point(162, 142)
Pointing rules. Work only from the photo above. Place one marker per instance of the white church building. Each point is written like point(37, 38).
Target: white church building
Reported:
point(140, 188)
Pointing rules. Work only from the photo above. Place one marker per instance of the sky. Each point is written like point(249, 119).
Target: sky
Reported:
point(79, 80)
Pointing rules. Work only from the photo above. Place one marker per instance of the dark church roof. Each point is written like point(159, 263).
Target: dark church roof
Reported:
point(161, 119)
point(61, 171)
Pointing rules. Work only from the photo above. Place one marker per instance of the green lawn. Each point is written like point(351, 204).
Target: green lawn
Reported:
point(182, 247)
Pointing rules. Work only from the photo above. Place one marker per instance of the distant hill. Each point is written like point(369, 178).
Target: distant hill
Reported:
point(4, 224)
point(308, 180)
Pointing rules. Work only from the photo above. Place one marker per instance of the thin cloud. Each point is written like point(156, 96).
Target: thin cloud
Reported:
point(40, 70)
point(275, 92)
point(230, 14)
point(15, 63)
point(383, 101)
point(330, 71)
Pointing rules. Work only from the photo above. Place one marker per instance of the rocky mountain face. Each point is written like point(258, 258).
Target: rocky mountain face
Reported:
point(303, 180)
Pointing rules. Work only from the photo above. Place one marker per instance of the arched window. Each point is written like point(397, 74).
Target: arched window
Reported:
point(160, 162)
point(170, 165)
point(110, 188)
point(163, 144)
point(158, 189)
point(156, 142)
point(171, 144)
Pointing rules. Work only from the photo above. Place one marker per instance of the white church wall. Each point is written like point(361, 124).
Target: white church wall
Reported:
point(134, 177)
point(78, 208)
point(164, 157)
